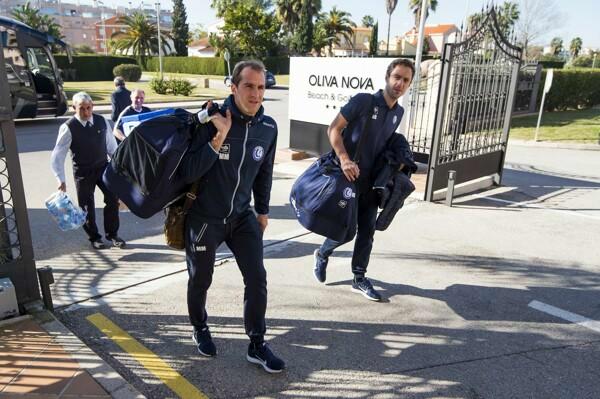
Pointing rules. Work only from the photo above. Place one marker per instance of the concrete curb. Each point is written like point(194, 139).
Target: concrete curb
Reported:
point(88, 360)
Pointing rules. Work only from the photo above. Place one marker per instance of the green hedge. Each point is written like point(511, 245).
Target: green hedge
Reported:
point(571, 89)
point(90, 67)
point(212, 65)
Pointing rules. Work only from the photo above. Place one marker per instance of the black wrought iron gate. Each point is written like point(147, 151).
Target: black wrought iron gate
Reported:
point(473, 106)
point(16, 250)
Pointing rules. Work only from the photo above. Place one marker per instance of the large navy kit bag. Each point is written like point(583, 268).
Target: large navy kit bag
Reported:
point(143, 170)
point(324, 201)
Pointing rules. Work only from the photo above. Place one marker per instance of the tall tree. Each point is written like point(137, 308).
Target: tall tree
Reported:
point(288, 12)
point(415, 7)
point(140, 37)
point(255, 29)
point(374, 41)
point(44, 23)
point(304, 37)
point(367, 21)
point(337, 23)
point(556, 44)
point(537, 18)
point(320, 38)
point(181, 29)
point(575, 47)
point(220, 6)
point(390, 6)
point(507, 15)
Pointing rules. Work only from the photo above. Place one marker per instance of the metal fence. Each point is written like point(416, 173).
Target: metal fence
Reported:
point(16, 250)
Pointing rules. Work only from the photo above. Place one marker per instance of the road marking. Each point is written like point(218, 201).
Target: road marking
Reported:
point(154, 364)
point(565, 315)
point(526, 205)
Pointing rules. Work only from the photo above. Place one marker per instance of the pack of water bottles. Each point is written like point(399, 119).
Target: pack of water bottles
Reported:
point(68, 215)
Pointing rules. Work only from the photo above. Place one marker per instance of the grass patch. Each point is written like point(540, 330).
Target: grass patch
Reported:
point(582, 126)
point(100, 92)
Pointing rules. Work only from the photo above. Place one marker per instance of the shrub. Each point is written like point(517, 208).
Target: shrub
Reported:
point(180, 86)
point(584, 61)
point(129, 72)
point(174, 86)
point(90, 67)
point(159, 86)
point(572, 89)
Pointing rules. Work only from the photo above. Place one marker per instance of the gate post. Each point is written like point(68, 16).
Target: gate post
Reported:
point(440, 112)
point(510, 101)
point(16, 248)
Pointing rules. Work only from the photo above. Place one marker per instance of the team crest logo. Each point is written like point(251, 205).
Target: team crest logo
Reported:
point(258, 153)
point(342, 204)
point(348, 193)
point(395, 119)
point(375, 111)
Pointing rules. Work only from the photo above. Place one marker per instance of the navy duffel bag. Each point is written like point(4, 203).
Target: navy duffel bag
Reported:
point(324, 201)
point(142, 172)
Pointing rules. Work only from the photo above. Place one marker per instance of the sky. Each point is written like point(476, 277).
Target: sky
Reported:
point(578, 17)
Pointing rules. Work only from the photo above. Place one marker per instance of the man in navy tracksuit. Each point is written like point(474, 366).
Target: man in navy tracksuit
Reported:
point(376, 116)
point(233, 158)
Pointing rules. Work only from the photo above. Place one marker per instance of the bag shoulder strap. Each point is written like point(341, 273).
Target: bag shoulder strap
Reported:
point(190, 196)
point(364, 131)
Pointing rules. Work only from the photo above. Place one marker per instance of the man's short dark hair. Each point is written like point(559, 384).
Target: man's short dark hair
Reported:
point(119, 81)
point(239, 67)
point(402, 62)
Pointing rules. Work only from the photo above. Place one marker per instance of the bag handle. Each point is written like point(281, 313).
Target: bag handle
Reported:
point(364, 131)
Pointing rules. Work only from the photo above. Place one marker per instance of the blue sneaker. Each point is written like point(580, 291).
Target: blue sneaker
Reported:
point(262, 355)
point(363, 286)
point(204, 342)
point(320, 270)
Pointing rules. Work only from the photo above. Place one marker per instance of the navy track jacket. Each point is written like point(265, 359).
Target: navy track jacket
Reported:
point(242, 167)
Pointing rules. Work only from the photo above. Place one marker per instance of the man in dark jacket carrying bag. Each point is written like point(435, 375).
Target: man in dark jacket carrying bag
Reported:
point(232, 158)
point(376, 116)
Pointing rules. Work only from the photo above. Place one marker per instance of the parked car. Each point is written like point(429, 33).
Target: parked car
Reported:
point(269, 80)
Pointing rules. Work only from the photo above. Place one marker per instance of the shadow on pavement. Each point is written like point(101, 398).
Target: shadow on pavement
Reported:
point(538, 189)
point(339, 359)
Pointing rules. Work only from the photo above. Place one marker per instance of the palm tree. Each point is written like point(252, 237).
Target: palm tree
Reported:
point(390, 6)
point(556, 44)
point(337, 23)
point(415, 7)
point(140, 37)
point(575, 47)
point(368, 21)
point(508, 14)
point(288, 12)
point(32, 17)
point(320, 38)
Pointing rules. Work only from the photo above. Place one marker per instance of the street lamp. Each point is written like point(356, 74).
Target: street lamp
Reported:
point(160, 65)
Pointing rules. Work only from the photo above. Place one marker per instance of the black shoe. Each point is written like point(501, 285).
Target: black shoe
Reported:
point(204, 342)
point(364, 286)
point(98, 244)
point(117, 241)
point(320, 270)
point(261, 354)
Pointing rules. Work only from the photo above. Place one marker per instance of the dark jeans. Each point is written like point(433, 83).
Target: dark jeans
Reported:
point(244, 238)
point(86, 180)
point(367, 216)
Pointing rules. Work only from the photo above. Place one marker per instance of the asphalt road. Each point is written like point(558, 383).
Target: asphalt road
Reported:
point(496, 297)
